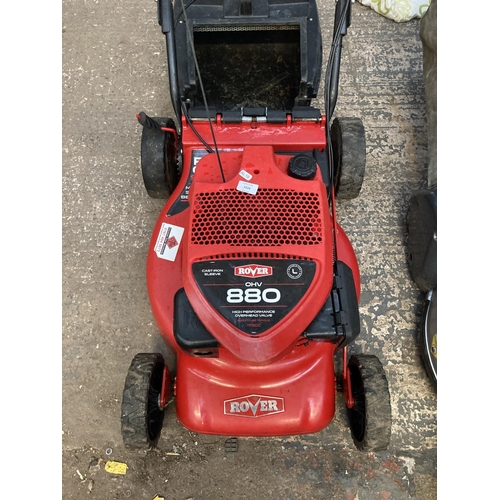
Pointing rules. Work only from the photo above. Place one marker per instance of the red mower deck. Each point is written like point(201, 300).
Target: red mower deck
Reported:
point(253, 284)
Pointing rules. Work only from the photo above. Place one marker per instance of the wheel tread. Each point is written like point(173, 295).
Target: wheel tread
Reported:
point(349, 147)
point(135, 402)
point(378, 422)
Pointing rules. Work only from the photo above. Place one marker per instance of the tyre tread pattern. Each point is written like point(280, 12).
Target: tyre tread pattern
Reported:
point(134, 408)
point(349, 147)
point(378, 421)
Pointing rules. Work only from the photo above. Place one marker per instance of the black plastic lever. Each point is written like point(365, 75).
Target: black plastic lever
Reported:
point(147, 121)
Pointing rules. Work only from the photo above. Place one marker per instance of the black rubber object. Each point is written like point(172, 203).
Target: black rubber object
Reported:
point(349, 156)
point(159, 160)
point(421, 223)
point(141, 415)
point(427, 336)
point(370, 418)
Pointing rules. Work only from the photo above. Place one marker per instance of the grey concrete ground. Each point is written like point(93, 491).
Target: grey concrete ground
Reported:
point(114, 65)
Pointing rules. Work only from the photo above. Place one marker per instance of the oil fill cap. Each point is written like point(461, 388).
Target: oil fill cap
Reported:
point(302, 166)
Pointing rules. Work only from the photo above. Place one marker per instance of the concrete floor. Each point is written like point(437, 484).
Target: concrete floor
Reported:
point(114, 65)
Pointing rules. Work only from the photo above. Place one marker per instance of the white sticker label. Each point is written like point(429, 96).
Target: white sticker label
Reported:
point(247, 187)
point(245, 175)
point(168, 241)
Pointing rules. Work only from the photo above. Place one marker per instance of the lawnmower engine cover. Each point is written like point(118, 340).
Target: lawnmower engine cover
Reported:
point(241, 282)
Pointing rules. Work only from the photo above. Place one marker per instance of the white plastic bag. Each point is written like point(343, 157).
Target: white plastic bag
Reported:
point(398, 10)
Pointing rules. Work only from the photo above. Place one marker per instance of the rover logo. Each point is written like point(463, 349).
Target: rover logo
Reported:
point(254, 406)
point(253, 270)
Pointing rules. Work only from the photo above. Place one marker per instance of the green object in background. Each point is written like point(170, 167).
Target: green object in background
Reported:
point(398, 10)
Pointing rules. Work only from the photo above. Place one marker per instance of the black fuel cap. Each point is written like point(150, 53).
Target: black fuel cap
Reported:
point(302, 166)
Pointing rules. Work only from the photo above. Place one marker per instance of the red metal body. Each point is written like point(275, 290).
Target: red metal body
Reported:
point(268, 382)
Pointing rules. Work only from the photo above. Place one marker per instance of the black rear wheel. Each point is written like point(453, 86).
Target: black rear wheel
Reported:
point(159, 160)
point(349, 157)
point(370, 417)
point(142, 416)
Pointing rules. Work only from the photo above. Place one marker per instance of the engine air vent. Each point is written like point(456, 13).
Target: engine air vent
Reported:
point(270, 218)
point(253, 255)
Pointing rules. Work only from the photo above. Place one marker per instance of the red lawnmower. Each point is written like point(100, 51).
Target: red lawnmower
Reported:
point(252, 282)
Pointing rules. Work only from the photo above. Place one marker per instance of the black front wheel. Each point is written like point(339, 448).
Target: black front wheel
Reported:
point(370, 418)
point(142, 416)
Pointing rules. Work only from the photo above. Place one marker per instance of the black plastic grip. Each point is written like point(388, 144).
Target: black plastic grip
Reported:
point(147, 121)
